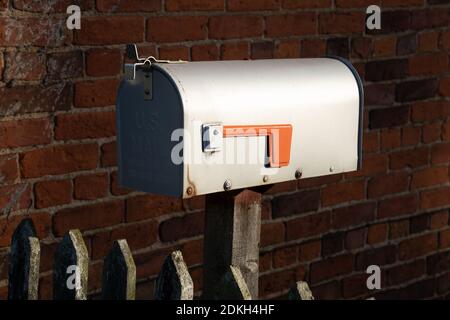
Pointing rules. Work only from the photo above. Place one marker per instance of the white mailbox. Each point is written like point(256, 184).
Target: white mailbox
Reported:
point(192, 128)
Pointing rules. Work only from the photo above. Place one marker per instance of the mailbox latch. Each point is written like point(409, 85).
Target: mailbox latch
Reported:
point(212, 134)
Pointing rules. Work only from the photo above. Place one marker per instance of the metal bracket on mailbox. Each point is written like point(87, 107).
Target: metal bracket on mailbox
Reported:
point(212, 137)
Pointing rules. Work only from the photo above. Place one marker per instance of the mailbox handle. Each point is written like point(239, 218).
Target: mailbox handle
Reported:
point(279, 139)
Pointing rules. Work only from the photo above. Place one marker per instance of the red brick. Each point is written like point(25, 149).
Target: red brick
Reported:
point(343, 192)
point(291, 24)
point(58, 160)
point(411, 158)
point(444, 87)
point(446, 131)
point(361, 47)
point(103, 62)
point(197, 5)
point(52, 193)
point(439, 220)
point(295, 203)
point(39, 98)
point(328, 291)
point(272, 233)
point(355, 239)
point(385, 47)
point(356, 3)
point(88, 217)
point(177, 228)
point(373, 164)
point(429, 18)
point(308, 183)
point(371, 142)
point(306, 4)
point(109, 154)
point(342, 22)
point(377, 233)
point(431, 132)
point(284, 257)
point(14, 197)
point(379, 256)
point(59, 6)
point(41, 221)
point(405, 272)
point(428, 64)
point(65, 65)
point(309, 251)
point(398, 229)
point(429, 110)
point(435, 198)
point(128, 5)
point(444, 40)
point(174, 53)
point(331, 267)
point(390, 138)
point(444, 239)
point(397, 206)
point(312, 48)
point(116, 189)
point(254, 5)
point(265, 261)
point(90, 187)
point(419, 246)
point(440, 153)
point(85, 125)
point(205, 52)
point(276, 282)
point(402, 3)
point(120, 29)
point(235, 51)
point(176, 28)
point(262, 50)
point(287, 49)
point(428, 41)
point(355, 285)
point(411, 136)
point(388, 184)
point(151, 206)
point(98, 93)
point(9, 169)
point(24, 65)
point(353, 215)
point(308, 226)
point(429, 177)
point(138, 236)
point(332, 243)
point(26, 132)
point(229, 27)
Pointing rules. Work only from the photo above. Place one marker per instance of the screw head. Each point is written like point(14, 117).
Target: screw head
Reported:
point(190, 191)
point(298, 174)
point(265, 178)
point(331, 168)
point(227, 185)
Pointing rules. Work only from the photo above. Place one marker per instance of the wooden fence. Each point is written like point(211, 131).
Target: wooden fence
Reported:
point(70, 272)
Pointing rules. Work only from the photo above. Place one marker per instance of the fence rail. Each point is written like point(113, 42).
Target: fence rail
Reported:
point(71, 265)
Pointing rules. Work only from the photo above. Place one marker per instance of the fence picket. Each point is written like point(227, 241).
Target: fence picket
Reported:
point(174, 281)
point(70, 270)
point(300, 291)
point(232, 286)
point(23, 271)
point(119, 273)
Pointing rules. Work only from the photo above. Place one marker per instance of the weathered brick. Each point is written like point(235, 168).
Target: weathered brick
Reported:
point(187, 226)
point(23, 65)
point(58, 160)
point(120, 29)
point(116, 188)
point(103, 62)
point(388, 184)
point(85, 125)
point(176, 28)
point(90, 187)
point(59, 6)
point(296, 203)
point(229, 27)
point(419, 246)
point(98, 93)
point(88, 217)
point(41, 221)
point(307, 226)
point(343, 192)
point(109, 154)
point(65, 65)
point(9, 169)
point(435, 198)
point(25, 132)
point(151, 206)
point(14, 197)
point(291, 24)
point(52, 193)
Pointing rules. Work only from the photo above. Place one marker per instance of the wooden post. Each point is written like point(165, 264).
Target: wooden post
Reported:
point(232, 234)
point(300, 291)
point(233, 286)
point(23, 271)
point(119, 273)
point(70, 269)
point(174, 281)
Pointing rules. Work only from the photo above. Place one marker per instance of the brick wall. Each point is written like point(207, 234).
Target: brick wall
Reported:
point(57, 139)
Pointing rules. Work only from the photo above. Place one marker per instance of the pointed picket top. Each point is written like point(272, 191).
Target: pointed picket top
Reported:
point(232, 286)
point(70, 270)
point(119, 273)
point(300, 291)
point(174, 281)
point(23, 271)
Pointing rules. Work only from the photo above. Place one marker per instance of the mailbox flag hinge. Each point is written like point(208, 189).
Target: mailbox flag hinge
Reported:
point(279, 139)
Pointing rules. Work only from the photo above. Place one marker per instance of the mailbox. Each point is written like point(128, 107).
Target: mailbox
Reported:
point(192, 128)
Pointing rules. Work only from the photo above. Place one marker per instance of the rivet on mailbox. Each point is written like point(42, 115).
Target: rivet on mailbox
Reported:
point(193, 125)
